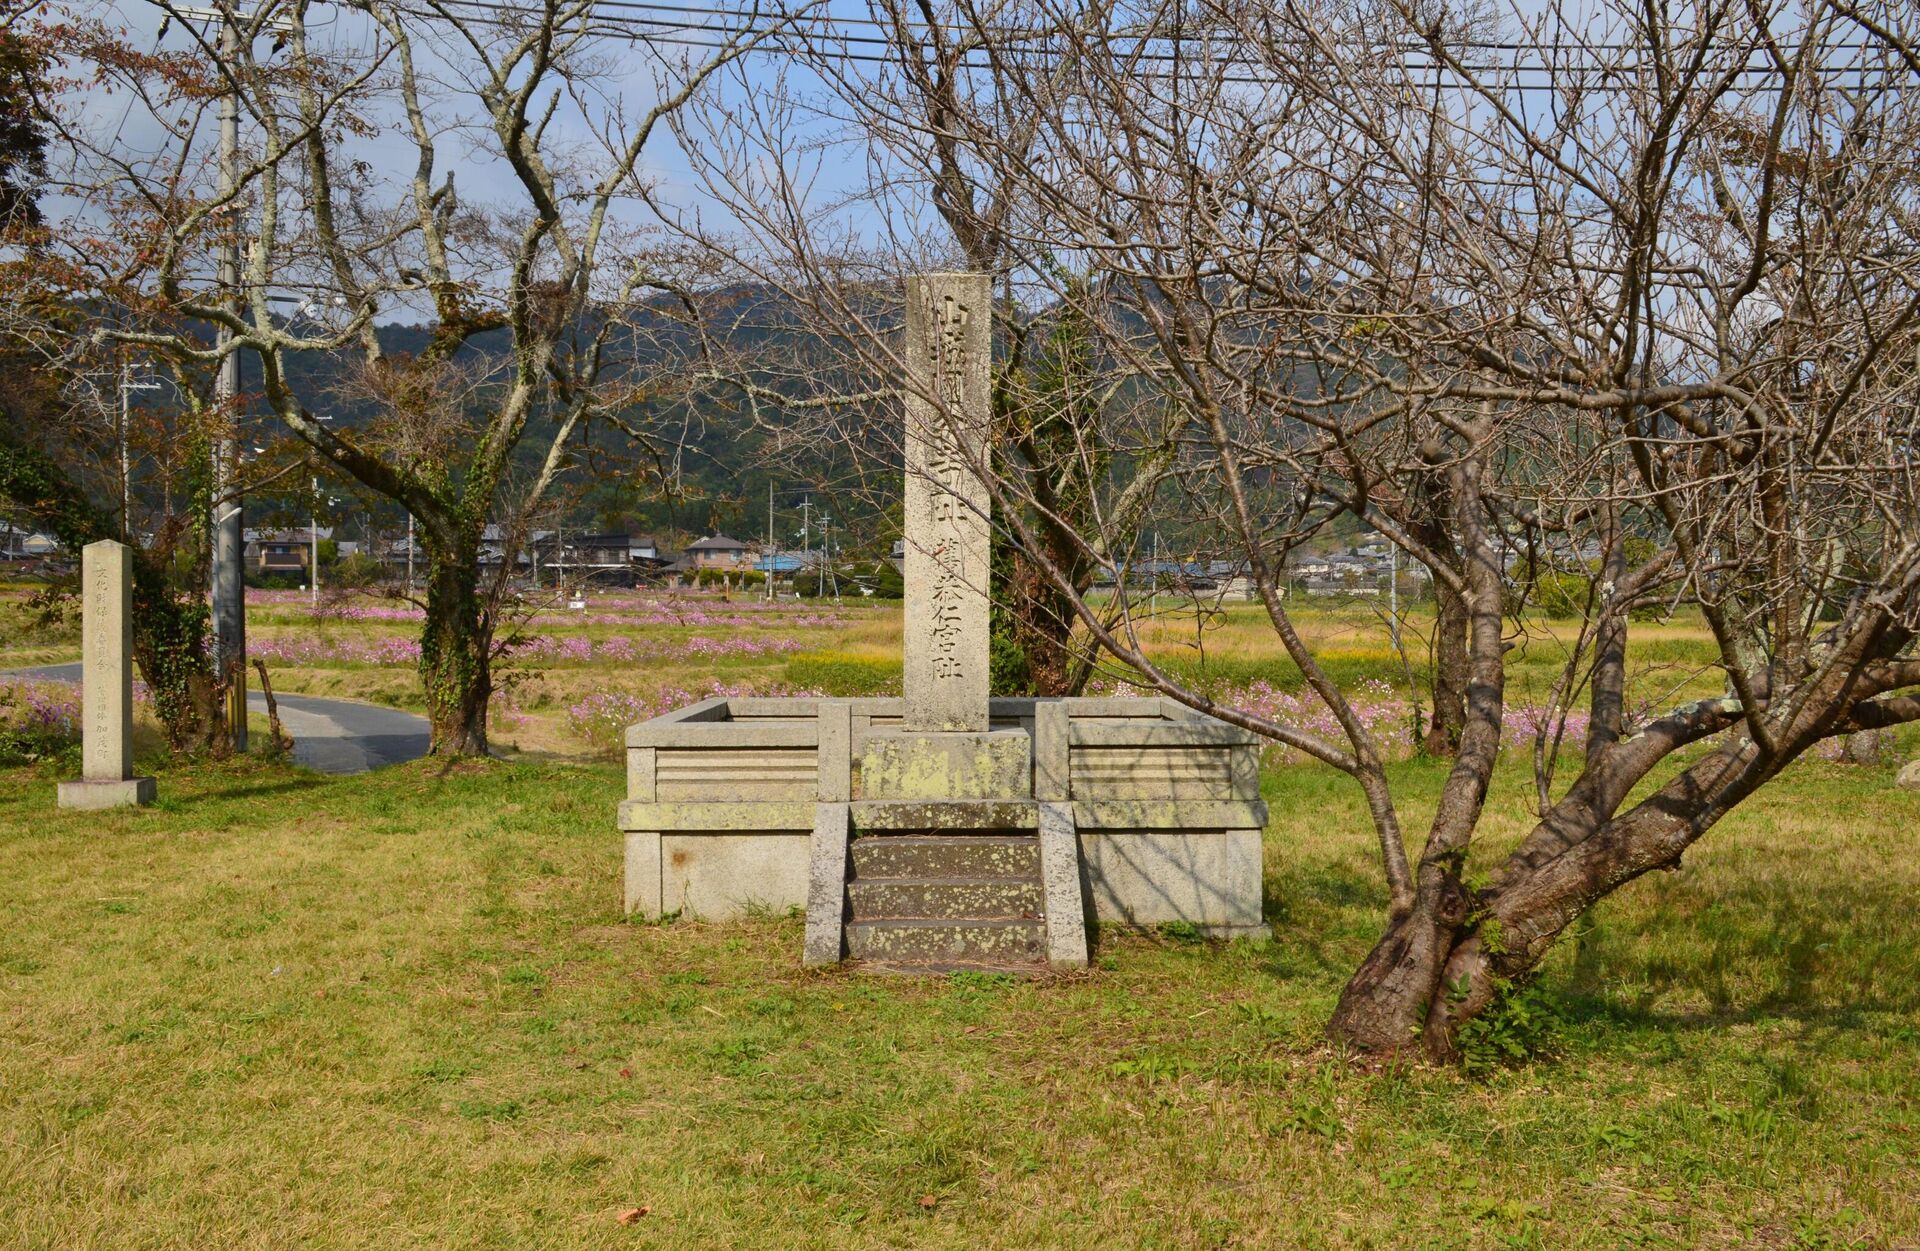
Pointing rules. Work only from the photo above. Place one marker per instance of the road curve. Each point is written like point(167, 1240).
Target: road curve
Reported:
point(330, 735)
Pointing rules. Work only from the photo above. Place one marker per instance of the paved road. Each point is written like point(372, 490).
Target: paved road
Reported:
point(331, 735)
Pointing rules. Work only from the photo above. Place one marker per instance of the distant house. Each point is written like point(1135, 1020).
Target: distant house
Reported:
point(717, 551)
point(281, 551)
point(612, 558)
point(16, 541)
point(493, 546)
point(21, 548)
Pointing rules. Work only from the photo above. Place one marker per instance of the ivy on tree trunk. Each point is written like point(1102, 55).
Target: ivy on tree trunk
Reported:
point(456, 649)
point(169, 623)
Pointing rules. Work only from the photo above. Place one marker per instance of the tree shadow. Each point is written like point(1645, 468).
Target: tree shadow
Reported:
point(286, 787)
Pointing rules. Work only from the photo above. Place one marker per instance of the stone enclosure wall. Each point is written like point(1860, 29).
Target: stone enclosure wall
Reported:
point(721, 801)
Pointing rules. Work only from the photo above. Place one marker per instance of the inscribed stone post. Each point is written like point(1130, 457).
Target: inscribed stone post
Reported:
point(949, 353)
point(106, 683)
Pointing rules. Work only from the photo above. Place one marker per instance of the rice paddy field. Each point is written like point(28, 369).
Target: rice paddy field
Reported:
point(569, 680)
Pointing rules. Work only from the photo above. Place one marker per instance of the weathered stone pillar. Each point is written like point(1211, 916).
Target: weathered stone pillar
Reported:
point(106, 686)
point(949, 353)
point(944, 748)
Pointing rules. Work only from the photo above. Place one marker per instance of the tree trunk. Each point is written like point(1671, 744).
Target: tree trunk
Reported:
point(170, 647)
point(456, 647)
point(1383, 1008)
point(1458, 952)
point(1032, 623)
point(1043, 621)
point(1449, 673)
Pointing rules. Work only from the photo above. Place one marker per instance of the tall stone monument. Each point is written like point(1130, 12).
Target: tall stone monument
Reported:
point(949, 354)
point(944, 748)
point(106, 684)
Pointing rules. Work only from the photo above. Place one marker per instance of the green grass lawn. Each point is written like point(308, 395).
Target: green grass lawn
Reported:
point(403, 1010)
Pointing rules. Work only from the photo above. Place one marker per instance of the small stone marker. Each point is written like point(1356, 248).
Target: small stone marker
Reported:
point(106, 685)
point(949, 353)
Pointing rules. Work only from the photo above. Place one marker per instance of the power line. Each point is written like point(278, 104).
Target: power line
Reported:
point(769, 42)
point(827, 19)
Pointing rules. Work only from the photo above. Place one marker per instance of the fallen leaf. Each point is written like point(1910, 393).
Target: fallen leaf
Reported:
point(631, 1215)
point(927, 1201)
point(626, 1072)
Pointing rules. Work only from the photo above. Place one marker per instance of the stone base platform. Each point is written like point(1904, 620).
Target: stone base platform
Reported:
point(91, 794)
point(1143, 813)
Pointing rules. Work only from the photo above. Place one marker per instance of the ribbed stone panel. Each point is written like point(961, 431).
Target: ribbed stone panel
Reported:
point(1130, 772)
point(736, 774)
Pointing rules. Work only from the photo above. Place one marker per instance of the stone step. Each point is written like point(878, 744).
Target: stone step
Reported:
point(944, 898)
point(945, 855)
point(944, 816)
point(931, 942)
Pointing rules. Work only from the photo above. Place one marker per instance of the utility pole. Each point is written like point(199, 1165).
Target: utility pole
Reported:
point(826, 554)
point(127, 387)
point(1153, 596)
point(806, 537)
point(229, 534)
point(313, 541)
point(1393, 595)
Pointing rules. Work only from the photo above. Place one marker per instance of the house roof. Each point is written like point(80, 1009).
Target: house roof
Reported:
point(717, 543)
point(616, 539)
point(286, 534)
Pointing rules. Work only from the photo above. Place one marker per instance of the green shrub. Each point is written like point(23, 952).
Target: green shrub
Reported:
point(729, 577)
point(357, 572)
point(836, 673)
point(1008, 672)
point(882, 579)
point(1521, 1024)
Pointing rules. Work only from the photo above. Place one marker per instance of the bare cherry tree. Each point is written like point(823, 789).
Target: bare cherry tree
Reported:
point(1631, 296)
point(479, 168)
point(884, 109)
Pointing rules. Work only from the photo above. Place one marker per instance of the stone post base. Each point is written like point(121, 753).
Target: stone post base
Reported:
point(946, 764)
point(89, 794)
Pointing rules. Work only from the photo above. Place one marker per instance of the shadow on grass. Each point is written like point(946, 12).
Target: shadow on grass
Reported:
point(187, 803)
point(1815, 957)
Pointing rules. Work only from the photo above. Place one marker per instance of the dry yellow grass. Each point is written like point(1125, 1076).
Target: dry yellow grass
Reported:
point(402, 1010)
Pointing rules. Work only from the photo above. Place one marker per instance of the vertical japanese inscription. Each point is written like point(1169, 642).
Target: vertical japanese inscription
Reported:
point(106, 679)
point(948, 355)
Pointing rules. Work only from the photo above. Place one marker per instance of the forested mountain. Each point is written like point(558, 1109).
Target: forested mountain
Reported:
point(706, 465)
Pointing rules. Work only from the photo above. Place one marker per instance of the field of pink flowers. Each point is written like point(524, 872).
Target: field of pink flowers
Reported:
point(547, 649)
point(37, 719)
point(687, 609)
point(583, 675)
point(1386, 713)
point(601, 719)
